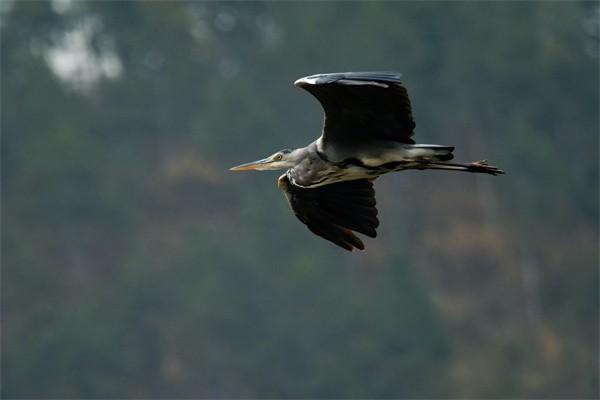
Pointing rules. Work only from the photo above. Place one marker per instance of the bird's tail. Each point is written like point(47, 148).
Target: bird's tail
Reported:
point(476, 166)
point(434, 152)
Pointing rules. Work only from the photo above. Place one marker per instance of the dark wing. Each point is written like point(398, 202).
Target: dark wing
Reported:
point(362, 105)
point(334, 211)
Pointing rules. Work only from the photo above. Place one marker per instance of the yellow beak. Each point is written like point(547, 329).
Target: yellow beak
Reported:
point(255, 165)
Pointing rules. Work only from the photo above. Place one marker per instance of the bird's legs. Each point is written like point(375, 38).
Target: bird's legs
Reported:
point(476, 166)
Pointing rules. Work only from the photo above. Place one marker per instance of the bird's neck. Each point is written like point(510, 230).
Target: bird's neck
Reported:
point(297, 155)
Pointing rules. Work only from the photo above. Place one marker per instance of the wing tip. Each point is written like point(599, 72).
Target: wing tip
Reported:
point(301, 82)
point(351, 239)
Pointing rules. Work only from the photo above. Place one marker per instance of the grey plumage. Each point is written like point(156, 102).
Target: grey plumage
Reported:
point(367, 132)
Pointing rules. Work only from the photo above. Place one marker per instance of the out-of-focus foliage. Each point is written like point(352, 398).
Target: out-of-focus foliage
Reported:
point(135, 265)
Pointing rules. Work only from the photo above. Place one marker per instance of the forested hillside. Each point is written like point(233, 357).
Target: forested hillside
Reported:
point(134, 264)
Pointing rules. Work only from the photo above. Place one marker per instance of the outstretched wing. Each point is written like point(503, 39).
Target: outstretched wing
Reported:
point(362, 106)
point(334, 211)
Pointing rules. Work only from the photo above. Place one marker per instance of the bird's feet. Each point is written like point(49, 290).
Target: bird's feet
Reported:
point(483, 166)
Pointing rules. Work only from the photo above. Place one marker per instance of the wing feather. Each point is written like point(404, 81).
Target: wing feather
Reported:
point(335, 211)
point(362, 106)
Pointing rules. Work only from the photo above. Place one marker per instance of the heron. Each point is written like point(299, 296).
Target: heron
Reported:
point(367, 132)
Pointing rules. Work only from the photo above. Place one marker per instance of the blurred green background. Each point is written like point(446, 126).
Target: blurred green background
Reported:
point(134, 264)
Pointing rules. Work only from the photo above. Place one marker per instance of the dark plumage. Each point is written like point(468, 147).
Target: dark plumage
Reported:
point(361, 110)
point(335, 210)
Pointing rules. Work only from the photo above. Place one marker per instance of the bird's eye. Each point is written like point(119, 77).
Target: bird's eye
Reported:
point(278, 157)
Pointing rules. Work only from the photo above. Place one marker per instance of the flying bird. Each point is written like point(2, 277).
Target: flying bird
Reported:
point(368, 131)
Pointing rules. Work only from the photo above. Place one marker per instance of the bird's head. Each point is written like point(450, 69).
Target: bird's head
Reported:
point(282, 159)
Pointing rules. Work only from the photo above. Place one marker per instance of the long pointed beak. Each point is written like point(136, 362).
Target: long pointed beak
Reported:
point(252, 165)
